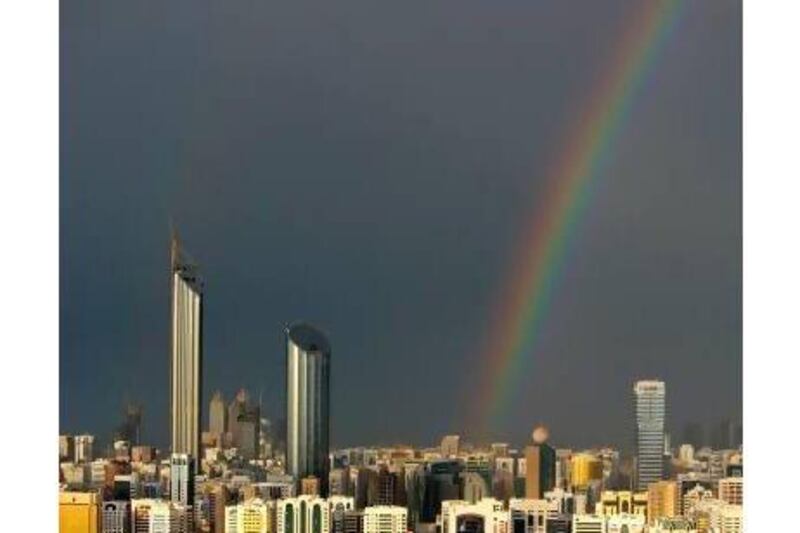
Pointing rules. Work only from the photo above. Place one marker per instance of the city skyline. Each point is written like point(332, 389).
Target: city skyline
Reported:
point(397, 240)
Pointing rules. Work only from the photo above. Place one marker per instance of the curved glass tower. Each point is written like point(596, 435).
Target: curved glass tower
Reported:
point(186, 358)
point(308, 356)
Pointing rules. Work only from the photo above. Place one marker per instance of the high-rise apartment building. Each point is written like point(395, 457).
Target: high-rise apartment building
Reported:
point(251, 516)
point(79, 512)
point(167, 517)
point(385, 519)
point(730, 490)
point(303, 514)
point(308, 356)
point(186, 353)
point(650, 409)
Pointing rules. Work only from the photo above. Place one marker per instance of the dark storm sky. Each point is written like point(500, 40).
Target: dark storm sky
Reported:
point(367, 166)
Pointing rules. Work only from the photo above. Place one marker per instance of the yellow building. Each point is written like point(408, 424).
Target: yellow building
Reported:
point(663, 500)
point(613, 502)
point(253, 516)
point(585, 469)
point(79, 512)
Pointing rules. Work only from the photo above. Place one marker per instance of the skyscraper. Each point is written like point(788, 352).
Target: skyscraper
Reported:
point(650, 406)
point(217, 417)
point(308, 356)
point(187, 353)
point(540, 465)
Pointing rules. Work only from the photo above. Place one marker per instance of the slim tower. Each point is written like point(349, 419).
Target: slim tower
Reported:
point(650, 400)
point(307, 403)
point(186, 353)
point(218, 418)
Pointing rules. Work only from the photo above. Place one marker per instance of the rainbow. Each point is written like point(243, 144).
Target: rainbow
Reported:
point(523, 304)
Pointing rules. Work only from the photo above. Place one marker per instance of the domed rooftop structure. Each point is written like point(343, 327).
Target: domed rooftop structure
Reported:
point(308, 338)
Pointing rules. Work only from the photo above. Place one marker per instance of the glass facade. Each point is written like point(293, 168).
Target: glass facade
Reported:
point(650, 400)
point(307, 403)
point(186, 356)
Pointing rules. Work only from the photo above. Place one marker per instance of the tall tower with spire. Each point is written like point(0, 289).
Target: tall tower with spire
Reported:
point(186, 352)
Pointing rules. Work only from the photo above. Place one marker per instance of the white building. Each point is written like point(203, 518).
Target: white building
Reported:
point(488, 515)
point(677, 524)
point(532, 515)
point(725, 518)
point(181, 479)
point(385, 519)
point(159, 516)
point(625, 523)
point(303, 514)
point(588, 523)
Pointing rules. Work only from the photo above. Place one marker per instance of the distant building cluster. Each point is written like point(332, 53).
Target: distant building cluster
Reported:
point(241, 475)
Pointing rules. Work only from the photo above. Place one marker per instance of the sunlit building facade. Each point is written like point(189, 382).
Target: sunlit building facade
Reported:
point(252, 516)
point(79, 512)
point(186, 354)
point(385, 519)
point(308, 356)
